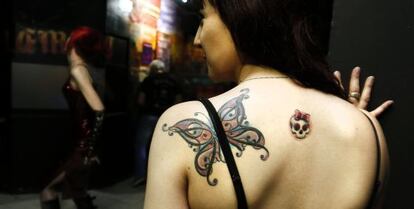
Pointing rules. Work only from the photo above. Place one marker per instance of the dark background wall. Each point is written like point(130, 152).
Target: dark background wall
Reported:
point(5, 67)
point(378, 35)
point(61, 13)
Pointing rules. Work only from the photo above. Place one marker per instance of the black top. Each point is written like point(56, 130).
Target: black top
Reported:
point(160, 92)
point(82, 113)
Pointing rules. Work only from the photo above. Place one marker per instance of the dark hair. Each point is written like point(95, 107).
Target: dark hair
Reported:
point(90, 44)
point(280, 34)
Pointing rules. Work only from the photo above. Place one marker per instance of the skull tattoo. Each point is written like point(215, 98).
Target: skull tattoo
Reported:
point(299, 124)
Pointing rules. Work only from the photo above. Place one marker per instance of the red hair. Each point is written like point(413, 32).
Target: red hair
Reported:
point(89, 43)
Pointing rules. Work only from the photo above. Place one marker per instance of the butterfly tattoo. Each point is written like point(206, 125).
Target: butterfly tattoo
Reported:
point(203, 139)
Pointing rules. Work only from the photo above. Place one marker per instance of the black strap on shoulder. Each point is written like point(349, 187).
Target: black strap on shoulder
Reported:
point(376, 188)
point(228, 155)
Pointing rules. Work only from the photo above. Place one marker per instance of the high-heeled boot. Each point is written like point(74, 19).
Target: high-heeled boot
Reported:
point(85, 202)
point(50, 204)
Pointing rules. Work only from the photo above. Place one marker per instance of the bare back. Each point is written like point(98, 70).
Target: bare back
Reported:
point(332, 166)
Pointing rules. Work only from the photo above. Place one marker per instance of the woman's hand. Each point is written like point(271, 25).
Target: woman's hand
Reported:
point(361, 100)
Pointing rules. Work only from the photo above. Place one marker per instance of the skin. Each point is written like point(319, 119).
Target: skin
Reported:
point(82, 81)
point(223, 62)
point(334, 166)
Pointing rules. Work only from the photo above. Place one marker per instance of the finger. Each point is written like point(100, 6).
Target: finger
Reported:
point(354, 83)
point(337, 75)
point(366, 93)
point(353, 100)
point(379, 110)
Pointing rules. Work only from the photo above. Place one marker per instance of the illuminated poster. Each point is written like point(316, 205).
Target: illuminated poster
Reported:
point(146, 53)
point(166, 22)
point(163, 51)
point(117, 17)
point(149, 24)
point(135, 19)
point(166, 27)
point(36, 45)
point(149, 11)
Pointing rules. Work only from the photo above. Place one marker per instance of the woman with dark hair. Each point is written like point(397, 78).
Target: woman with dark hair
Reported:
point(86, 49)
point(284, 137)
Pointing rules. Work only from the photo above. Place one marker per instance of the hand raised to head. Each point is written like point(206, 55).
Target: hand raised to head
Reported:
point(361, 100)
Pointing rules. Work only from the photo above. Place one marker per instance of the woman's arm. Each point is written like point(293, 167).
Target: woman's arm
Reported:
point(82, 79)
point(167, 176)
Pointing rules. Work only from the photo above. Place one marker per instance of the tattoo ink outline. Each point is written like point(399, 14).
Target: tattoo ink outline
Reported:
point(202, 138)
point(300, 124)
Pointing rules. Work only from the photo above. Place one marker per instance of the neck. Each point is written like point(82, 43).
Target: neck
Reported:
point(249, 72)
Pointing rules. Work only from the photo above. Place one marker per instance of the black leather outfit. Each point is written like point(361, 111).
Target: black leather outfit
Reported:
point(77, 170)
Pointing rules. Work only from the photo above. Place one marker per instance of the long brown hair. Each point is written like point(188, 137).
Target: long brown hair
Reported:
point(279, 34)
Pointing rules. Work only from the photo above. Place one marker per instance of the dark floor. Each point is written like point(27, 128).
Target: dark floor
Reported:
point(119, 196)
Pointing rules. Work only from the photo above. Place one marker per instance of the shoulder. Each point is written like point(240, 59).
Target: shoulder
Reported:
point(182, 111)
point(78, 69)
point(79, 72)
point(175, 128)
point(170, 157)
point(347, 122)
point(177, 131)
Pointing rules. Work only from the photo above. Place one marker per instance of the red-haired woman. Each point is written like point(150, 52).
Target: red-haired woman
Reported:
point(83, 91)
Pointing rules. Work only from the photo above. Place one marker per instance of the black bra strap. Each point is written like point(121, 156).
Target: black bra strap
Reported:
point(376, 188)
point(228, 155)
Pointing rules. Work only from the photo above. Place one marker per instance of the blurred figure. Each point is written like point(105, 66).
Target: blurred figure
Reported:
point(86, 50)
point(159, 91)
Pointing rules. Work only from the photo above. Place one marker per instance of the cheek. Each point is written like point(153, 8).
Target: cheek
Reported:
point(222, 58)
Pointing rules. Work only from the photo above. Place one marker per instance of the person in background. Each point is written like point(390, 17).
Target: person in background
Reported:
point(83, 90)
point(285, 137)
point(159, 91)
